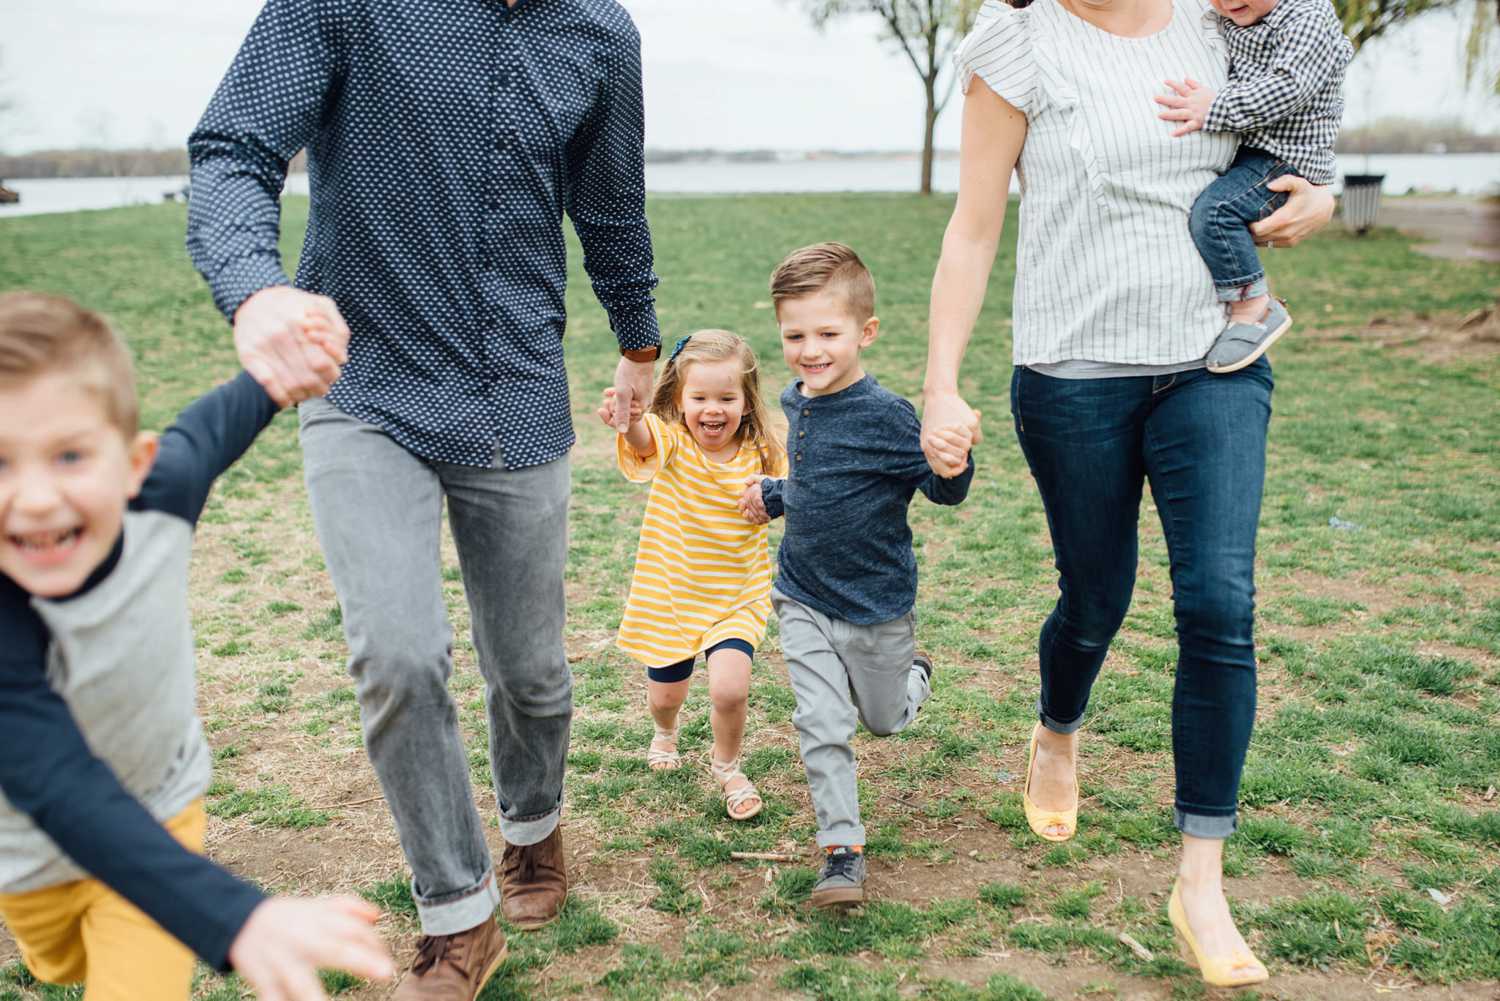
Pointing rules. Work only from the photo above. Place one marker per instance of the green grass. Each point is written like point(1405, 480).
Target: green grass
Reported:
point(1376, 740)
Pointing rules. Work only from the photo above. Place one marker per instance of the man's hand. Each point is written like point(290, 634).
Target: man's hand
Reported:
point(752, 503)
point(292, 359)
point(1188, 103)
point(287, 940)
point(950, 429)
point(632, 389)
point(1308, 208)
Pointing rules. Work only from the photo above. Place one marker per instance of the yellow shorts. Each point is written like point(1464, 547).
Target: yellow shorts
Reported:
point(84, 931)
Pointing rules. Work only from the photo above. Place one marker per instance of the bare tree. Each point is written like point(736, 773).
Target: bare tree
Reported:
point(927, 32)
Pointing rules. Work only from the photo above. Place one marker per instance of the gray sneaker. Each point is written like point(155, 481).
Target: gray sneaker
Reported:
point(842, 883)
point(1241, 343)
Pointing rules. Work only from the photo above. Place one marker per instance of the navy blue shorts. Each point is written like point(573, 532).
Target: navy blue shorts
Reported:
point(683, 669)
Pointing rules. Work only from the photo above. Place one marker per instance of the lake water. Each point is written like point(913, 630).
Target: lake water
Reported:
point(1464, 173)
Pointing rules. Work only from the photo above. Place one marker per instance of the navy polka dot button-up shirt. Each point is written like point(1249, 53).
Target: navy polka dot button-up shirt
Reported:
point(445, 140)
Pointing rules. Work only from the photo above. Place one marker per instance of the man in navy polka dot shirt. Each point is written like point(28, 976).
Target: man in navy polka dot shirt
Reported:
point(445, 140)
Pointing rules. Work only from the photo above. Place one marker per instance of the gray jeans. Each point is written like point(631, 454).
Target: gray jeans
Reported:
point(378, 511)
point(843, 674)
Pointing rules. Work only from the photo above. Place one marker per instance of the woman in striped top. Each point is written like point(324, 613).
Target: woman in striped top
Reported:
point(1114, 312)
point(702, 581)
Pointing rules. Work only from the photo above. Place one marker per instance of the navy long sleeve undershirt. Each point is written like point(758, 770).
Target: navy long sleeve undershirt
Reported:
point(47, 769)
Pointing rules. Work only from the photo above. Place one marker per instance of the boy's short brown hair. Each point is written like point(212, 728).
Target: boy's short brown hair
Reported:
point(810, 270)
point(41, 334)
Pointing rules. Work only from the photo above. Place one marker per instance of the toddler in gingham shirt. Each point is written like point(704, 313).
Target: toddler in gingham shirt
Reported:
point(1286, 71)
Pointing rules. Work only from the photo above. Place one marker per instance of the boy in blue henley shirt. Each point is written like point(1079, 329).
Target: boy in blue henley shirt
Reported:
point(847, 575)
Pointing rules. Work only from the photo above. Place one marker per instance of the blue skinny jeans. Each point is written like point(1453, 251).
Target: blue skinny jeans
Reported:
point(1221, 217)
point(1200, 440)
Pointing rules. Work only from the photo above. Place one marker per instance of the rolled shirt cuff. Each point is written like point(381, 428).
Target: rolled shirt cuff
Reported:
point(242, 277)
point(635, 327)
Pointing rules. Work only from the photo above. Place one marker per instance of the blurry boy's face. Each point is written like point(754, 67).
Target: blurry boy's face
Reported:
point(66, 474)
point(713, 404)
point(1244, 12)
point(821, 341)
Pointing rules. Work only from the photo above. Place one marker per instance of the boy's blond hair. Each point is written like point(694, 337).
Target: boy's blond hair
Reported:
point(810, 270)
point(41, 334)
point(757, 426)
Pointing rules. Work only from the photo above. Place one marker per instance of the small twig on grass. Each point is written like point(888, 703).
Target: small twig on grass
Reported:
point(341, 806)
point(765, 857)
point(1141, 951)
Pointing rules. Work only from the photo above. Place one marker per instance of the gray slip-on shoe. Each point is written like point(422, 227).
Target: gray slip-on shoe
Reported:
point(1241, 343)
point(842, 883)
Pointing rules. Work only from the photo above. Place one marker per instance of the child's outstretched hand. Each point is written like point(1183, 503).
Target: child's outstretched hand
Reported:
point(1188, 103)
point(752, 504)
point(606, 409)
point(288, 939)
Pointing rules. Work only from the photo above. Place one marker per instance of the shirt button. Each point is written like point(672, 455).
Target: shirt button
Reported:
point(801, 434)
point(799, 456)
point(806, 413)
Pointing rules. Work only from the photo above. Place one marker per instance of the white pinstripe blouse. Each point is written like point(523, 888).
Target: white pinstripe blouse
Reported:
point(1105, 268)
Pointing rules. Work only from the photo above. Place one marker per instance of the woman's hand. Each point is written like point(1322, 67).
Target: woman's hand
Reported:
point(950, 428)
point(1308, 208)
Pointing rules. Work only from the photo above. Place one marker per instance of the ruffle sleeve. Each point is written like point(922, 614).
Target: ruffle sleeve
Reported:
point(998, 50)
point(642, 470)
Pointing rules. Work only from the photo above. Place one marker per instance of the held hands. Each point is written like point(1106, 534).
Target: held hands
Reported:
point(950, 430)
point(1188, 103)
point(609, 411)
point(287, 940)
point(632, 390)
point(291, 342)
point(752, 503)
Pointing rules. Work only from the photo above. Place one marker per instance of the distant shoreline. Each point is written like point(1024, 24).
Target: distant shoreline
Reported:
point(94, 163)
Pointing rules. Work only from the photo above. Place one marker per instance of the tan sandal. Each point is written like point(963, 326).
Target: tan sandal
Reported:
point(725, 772)
point(663, 759)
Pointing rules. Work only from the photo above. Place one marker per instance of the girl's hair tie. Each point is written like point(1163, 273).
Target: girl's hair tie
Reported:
point(681, 343)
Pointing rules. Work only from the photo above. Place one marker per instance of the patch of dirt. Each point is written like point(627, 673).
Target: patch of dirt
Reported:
point(1435, 340)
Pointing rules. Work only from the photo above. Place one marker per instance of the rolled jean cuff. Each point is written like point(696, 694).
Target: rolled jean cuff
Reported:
point(852, 834)
point(1054, 725)
point(1250, 288)
point(1200, 825)
point(458, 912)
point(531, 830)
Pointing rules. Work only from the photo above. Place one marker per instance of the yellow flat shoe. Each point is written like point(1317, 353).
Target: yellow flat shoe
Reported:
point(1238, 970)
point(1040, 819)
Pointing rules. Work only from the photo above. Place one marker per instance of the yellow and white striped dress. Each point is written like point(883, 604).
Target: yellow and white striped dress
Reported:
point(702, 572)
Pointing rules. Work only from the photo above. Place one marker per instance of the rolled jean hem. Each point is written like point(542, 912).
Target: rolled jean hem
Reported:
point(459, 912)
point(1249, 288)
point(530, 830)
point(842, 836)
point(1200, 826)
point(1054, 725)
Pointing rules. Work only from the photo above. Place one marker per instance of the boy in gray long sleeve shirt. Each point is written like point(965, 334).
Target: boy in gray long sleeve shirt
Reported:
point(847, 576)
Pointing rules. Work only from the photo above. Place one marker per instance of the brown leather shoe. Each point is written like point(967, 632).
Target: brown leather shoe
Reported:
point(533, 882)
point(454, 967)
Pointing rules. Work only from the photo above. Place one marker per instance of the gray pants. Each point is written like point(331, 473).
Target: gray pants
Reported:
point(378, 512)
point(843, 674)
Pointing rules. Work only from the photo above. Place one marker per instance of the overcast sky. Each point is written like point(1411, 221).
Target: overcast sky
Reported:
point(724, 73)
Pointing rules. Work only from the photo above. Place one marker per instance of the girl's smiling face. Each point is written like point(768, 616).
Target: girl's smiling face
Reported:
point(713, 405)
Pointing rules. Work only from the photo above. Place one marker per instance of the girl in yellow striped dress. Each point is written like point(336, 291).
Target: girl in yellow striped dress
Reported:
point(702, 581)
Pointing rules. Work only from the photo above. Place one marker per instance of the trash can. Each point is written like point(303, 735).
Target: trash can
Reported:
point(1361, 201)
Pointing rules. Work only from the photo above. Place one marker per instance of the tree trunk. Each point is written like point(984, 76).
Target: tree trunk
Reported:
point(929, 127)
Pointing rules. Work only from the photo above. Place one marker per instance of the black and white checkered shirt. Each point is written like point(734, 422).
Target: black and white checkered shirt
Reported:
point(1284, 95)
